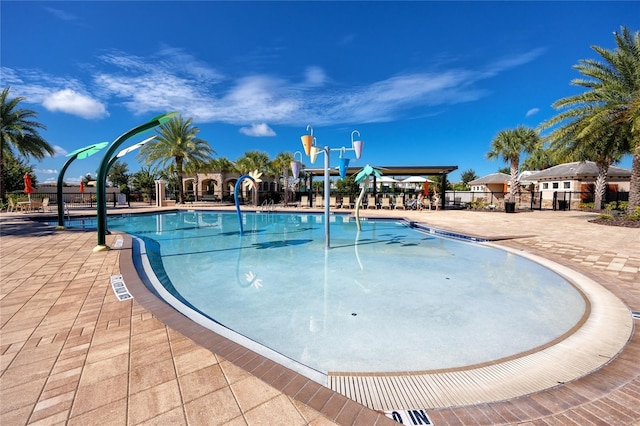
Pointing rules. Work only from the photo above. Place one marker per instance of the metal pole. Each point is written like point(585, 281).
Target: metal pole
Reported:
point(327, 190)
point(59, 193)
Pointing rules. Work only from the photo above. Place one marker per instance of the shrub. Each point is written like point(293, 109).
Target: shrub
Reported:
point(586, 206)
point(636, 214)
point(620, 205)
point(607, 216)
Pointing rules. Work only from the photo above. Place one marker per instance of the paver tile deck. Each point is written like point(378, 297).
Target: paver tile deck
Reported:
point(71, 353)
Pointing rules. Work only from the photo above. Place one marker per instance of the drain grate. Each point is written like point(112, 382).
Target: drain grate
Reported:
point(635, 314)
point(409, 417)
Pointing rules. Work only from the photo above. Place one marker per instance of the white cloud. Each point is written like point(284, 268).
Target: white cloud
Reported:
point(61, 14)
point(47, 171)
point(258, 130)
point(60, 151)
point(533, 111)
point(72, 102)
point(315, 76)
point(173, 80)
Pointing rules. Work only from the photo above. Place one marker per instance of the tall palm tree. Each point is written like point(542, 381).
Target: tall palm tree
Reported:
point(604, 146)
point(281, 166)
point(541, 158)
point(612, 99)
point(176, 144)
point(19, 132)
point(253, 160)
point(144, 180)
point(222, 164)
point(510, 144)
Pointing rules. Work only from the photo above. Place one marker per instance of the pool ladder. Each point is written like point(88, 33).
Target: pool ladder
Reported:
point(267, 205)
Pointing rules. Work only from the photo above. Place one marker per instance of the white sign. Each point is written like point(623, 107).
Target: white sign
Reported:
point(409, 417)
point(119, 288)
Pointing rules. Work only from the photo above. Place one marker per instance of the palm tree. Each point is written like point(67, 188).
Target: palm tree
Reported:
point(280, 166)
point(253, 160)
point(144, 181)
point(118, 174)
point(466, 177)
point(168, 174)
point(19, 132)
point(604, 147)
point(176, 144)
point(541, 158)
point(612, 100)
point(223, 165)
point(510, 144)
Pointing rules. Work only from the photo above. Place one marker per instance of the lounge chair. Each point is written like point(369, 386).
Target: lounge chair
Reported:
point(400, 203)
point(45, 204)
point(333, 202)
point(304, 201)
point(346, 203)
point(371, 202)
point(386, 203)
point(319, 202)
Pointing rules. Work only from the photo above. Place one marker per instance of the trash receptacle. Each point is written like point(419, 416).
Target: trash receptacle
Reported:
point(562, 204)
point(510, 207)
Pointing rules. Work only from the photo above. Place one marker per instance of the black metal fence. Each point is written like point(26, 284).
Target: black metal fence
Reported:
point(562, 200)
point(74, 200)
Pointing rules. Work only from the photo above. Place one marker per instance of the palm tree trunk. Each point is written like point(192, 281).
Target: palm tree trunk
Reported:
point(286, 186)
point(601, 186)
point(634, 190)
point(196, 186)
point(180, 183)
point(2, 192)
point(514, 180)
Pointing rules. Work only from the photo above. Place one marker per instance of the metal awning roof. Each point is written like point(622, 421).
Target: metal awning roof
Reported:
point(391, 170)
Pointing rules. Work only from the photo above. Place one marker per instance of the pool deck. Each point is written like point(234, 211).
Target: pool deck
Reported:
point(71, 353)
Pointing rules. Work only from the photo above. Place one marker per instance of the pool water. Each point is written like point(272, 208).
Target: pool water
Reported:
point(389, 298)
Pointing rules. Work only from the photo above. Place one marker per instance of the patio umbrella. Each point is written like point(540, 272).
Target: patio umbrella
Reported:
point(28, 189)
point(387, 179)
point(415, 179)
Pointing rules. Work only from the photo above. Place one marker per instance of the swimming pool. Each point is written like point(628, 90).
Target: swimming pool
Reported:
point(390, 298)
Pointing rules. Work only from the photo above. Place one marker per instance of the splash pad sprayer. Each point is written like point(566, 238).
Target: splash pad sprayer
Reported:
point(235, 195)
point(296, 165)
point(363, 175)
point(310, 149)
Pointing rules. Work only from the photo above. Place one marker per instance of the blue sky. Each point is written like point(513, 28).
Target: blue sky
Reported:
point(425, 83)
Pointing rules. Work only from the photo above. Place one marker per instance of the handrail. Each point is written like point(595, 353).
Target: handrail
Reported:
point(267, 205)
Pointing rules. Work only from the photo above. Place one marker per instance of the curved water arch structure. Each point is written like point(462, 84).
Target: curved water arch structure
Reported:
point(235, 195)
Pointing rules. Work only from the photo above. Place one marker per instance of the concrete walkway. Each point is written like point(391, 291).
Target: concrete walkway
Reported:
point(71, 353)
